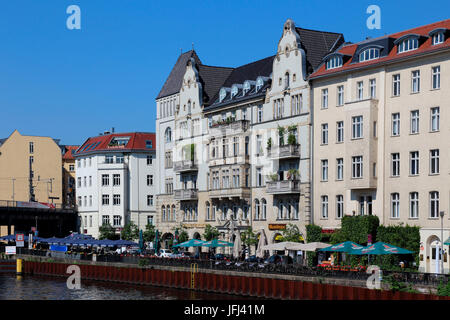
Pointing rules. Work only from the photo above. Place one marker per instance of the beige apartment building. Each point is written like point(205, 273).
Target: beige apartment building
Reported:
point(381, 135)
point(30, 169)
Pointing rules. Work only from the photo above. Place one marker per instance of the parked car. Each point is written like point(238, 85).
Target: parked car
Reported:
point(165, 253)
point(252, 259)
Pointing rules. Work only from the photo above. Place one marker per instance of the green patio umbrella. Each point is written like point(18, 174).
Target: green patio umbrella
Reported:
point(447, 242)
point(175, 242)
point(217, 243)
point(155, 246)
point(141, 241)
point(191, 243)
point(347, 246)
point(380, 248)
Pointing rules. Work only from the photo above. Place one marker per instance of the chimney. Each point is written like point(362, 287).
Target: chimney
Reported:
point(112, 129)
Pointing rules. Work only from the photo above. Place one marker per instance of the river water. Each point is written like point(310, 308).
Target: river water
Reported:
point(27, 287)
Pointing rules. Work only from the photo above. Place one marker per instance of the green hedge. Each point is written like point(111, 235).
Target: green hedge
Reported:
point(313, 234)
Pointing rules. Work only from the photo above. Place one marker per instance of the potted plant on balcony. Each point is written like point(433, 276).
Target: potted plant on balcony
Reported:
point(291, 139)
point(281, 131)
point(273, 177)
point(269, 144)
point(292, 174)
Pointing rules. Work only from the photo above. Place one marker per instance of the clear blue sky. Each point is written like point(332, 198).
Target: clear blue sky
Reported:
point(72, 84)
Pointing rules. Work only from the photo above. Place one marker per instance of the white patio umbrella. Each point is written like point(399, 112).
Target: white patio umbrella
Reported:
point(279, 246)
point(261, 243)
point(312, 246)
point(237, 244)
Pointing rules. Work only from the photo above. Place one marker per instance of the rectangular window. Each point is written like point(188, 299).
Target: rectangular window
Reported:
point(259, 150)
point(414, 163)
point(357, 167)
point(324, 203)
point(105, 179)
point(414, 121)
point(109, 159)
point(259, 181)
point(414, 205)
point(116, 221)
point(260, 114)
point(149, 180)
point(324, 98)
point(340, 95)
point(116, 199)
point(116, 179)
point(79, 201)
point(31, 147)
point(325, 133)
point(396, 85)
point(235, 146)
point(90, 201)
point(415, 81)
point(105, 199)
point(149, 160)
point(357, 127)
point(71, 168)
point(85, 181)
point(119, 159)
point(340, 131)
point(434, 204)
point(436, 77)
point(434, 161)
point(373, 88)
point(324, 167)
point(296, 104)
point(360, 90)
point(90, 221)
point(339, 206)
point(395, 205)
point(435, 119)
point(79, 182)
point(105, 220)
point(395, 164)
point(396, 124)
point(339, 169)
point(90, 181)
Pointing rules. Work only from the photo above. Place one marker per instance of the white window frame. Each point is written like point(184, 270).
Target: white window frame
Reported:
point(413, 205)
point(435, 119)
point(415, 117)
point(357, 166)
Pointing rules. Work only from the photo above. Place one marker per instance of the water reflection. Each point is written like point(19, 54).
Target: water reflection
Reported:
point(14, 287)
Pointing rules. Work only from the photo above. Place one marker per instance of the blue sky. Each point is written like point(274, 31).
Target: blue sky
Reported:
point(72, 84)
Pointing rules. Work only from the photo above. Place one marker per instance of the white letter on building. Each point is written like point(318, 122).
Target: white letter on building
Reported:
point(374, 21)
point(73, 21)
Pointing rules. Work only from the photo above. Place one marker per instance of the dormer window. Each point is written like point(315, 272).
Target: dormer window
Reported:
point(334, 62)
point(259, 83)
point(369, 54)
point(234, 91)
point(222, 94)
point(409, 44)
point(246, 87)
point(438, 38)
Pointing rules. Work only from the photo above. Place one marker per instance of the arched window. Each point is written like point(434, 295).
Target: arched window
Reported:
point(286, 80)
point(264, 210)
point(334, 62)
point(409, 44)
point(246, 87)
point(259, 83)
point(168, 135)
point(369, 54)
point(174, 218)
point(189, 106)
point(163, 210)
point(222, 94)
point(257, 209)
point(208, 211)
point(234, 91)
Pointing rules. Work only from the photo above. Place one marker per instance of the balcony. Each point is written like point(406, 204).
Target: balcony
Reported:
point(288, 151)
point(186, 194)
point(185, 166)
point(223, 129)
point(230, 193)
point(283, 187)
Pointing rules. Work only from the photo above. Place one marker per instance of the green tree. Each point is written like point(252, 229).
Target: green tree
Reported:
point(107, 232)
point(183, 236)
point(291, 233)
point(249, 238)
point(211, 233)
point(149, 233)
point(130, 232)
point(313, 234)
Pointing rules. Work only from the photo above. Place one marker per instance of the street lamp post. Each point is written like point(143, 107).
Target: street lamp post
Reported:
point(442, 240)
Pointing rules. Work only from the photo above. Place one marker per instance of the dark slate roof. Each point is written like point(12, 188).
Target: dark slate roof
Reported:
point(212, 79)
point(250, 71)
point(317, 44)
point(385, 44)
point(175, 79)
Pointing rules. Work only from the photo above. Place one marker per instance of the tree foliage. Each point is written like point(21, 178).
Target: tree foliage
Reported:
point(291, 233)
point(149, 233)
point(211, 233)
point(130, 231)
point(356, 229)
point(313, 234)
point(107, 232)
